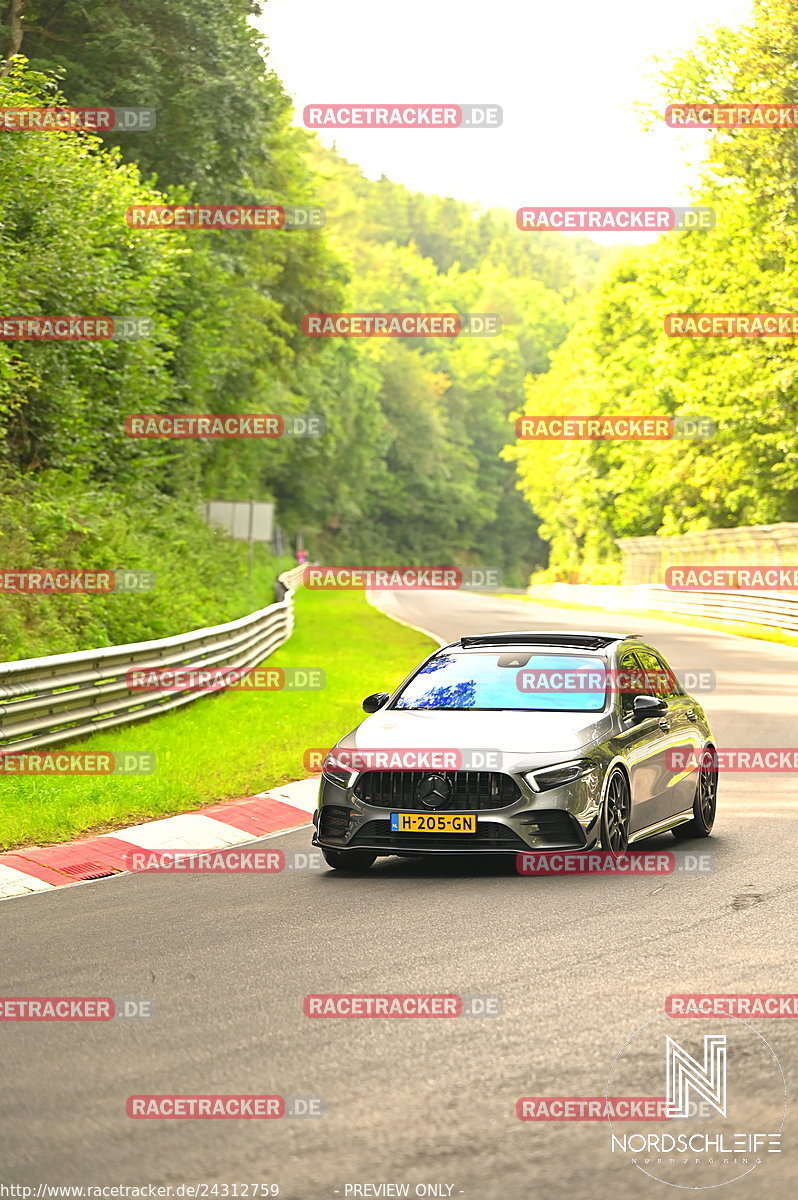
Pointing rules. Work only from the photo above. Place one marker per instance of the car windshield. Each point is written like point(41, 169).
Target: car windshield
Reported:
point(490, 681)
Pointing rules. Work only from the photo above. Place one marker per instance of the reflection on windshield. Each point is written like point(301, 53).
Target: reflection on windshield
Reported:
point(535, 682)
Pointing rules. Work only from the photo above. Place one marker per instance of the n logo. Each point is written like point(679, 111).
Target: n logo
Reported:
point(685, 1073)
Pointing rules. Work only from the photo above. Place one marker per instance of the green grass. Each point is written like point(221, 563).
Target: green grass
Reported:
point(762, 633)
point(229, 745)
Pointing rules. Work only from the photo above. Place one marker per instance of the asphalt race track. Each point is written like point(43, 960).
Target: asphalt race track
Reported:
point(578, 962)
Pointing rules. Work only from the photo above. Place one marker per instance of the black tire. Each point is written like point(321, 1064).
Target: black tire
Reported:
point(615, 814)
point(705, 800)
point(348, 860)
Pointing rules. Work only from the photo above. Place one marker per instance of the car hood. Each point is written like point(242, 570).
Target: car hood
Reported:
point(523, 738)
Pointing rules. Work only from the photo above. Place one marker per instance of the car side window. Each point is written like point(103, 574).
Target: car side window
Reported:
point(675, 689)
point(661, 677)
point(630, 674)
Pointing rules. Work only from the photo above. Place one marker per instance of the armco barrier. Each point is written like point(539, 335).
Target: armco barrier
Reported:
point(48, 700)
point(773, 609)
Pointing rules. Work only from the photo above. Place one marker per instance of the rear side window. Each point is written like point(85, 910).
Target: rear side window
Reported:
point(659, 675)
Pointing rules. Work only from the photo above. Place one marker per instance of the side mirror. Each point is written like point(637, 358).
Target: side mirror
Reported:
point(648, 706)
point(376, 701)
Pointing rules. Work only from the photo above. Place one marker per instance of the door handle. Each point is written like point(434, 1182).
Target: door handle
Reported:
point(691, 715)
point(664, 725)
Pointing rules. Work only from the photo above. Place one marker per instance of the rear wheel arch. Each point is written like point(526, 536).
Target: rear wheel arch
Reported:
point(704, 803)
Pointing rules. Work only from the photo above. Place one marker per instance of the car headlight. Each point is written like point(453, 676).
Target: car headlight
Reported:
point(561, 774)
point(336, 771)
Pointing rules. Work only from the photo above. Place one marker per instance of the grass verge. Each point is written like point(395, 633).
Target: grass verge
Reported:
point(229, 745)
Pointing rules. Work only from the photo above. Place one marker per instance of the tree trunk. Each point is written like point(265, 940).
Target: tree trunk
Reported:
point(15, 32)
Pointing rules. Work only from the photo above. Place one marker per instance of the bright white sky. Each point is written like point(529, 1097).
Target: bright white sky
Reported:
point(566, 72)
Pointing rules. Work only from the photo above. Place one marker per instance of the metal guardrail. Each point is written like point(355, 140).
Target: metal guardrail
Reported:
point(44, 701)
point(772, 609)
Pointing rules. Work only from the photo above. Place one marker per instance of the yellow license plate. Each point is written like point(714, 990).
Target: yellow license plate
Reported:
point(433, 822)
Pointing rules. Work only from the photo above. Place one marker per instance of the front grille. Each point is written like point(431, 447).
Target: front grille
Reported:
point(489, 837)
point(471, 790)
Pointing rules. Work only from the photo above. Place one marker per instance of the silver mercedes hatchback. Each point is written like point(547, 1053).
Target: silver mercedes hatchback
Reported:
point(518, 741)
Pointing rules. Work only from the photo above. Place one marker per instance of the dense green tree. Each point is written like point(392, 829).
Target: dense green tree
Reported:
point(618, 358)
point(410, 466)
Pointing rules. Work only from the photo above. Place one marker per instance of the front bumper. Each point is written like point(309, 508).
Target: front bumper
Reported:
point(557, 819)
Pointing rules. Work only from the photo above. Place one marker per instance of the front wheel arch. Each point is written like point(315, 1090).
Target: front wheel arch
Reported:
point(616, 811)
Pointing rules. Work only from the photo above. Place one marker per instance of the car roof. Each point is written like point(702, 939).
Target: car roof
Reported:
point(580, 640)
